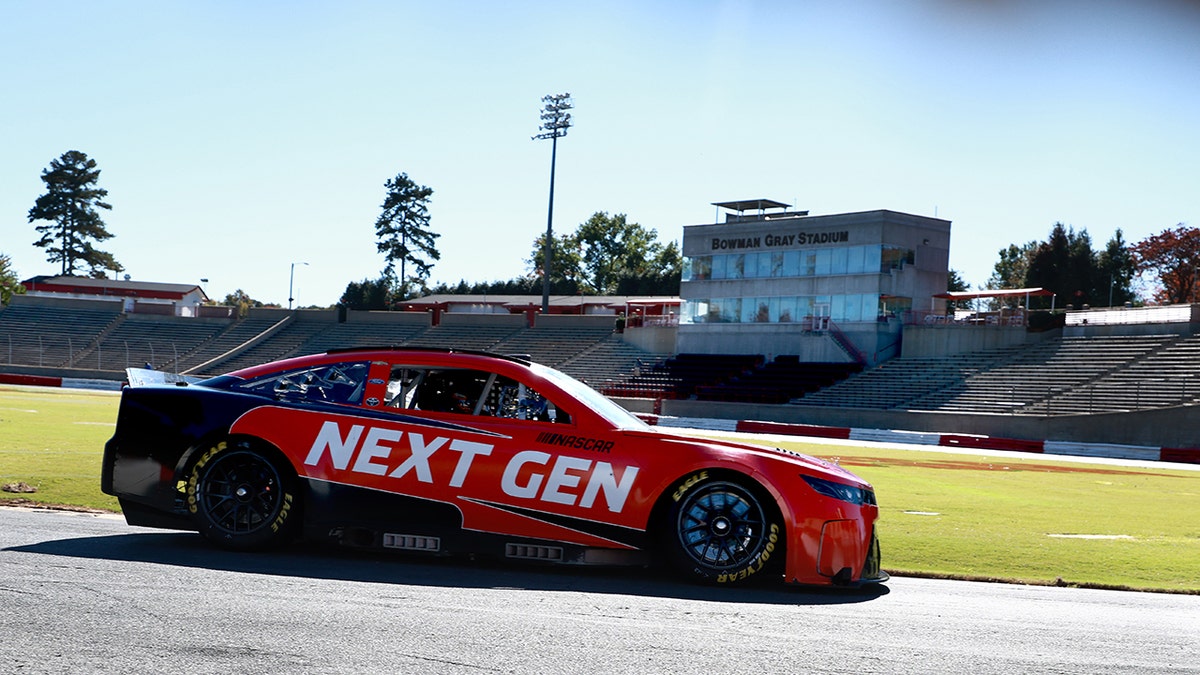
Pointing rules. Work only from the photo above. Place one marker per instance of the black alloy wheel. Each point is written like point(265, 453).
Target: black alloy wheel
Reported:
point(722, 531)
point(241, 499)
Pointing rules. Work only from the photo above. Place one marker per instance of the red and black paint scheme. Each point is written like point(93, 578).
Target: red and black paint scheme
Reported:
point(451, 452)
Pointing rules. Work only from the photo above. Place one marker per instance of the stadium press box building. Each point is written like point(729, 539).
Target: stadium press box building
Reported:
point(827, 288)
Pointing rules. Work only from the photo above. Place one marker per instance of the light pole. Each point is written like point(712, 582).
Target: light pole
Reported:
point(291, 280)
point(203, 294)
point(555, 122)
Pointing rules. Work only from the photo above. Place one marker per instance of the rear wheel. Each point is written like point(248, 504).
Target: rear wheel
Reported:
point(722, 531)
point(241, 498)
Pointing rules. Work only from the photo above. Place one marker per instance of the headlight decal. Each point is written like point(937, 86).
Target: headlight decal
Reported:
point(840, 491)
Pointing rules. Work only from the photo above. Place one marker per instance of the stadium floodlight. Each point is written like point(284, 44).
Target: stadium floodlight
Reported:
point(555, 122)
point(291, 279)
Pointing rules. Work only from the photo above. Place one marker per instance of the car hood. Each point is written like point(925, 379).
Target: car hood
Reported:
point(806, 463)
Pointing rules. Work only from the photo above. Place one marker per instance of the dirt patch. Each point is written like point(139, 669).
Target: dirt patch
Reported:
point(21, 487)
point(22, 502)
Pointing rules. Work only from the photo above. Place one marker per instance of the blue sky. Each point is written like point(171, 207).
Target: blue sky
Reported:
point(236, 138)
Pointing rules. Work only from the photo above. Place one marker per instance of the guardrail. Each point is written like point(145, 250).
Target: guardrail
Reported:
point(1116, 316)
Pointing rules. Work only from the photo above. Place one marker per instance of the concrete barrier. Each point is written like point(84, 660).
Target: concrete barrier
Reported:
point(917, 438)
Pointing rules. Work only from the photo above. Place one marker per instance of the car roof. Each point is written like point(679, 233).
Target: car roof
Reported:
point(425, 354)
point(517, 358)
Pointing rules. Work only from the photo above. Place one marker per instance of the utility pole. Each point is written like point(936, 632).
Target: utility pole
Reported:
point(291, 279)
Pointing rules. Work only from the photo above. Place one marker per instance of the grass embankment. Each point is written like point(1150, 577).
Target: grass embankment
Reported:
point(1028, 519)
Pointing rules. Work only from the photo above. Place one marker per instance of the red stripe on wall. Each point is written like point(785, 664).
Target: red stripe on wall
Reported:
point(36, 380)
point(1184, 455)
point(792, 429)
point(990, 443)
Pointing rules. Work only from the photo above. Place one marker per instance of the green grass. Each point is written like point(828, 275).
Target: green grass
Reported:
point(53, 439)
point(993, 517)
point(989, 517)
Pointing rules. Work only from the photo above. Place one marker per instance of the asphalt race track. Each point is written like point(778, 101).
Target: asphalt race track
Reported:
point(84, 593)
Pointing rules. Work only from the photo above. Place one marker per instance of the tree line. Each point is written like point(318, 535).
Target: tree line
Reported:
point(605, 255)
point(1160, 269)
point(609, 255)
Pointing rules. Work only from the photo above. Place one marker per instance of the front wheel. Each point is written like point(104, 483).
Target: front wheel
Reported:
point(240, 498)
point(721, 530)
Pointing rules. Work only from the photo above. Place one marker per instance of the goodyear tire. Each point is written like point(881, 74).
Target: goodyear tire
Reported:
point(720, 530)
point(241, 498)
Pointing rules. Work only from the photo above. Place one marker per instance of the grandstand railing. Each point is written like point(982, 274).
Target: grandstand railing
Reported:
point(257, 339)
point(652, 321)
point(1002, 317)
point(83, 357)
point(1114, 316)
point(1105, 316)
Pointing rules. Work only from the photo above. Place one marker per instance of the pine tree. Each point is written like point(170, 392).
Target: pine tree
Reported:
point(71, 202)
point(404, 234)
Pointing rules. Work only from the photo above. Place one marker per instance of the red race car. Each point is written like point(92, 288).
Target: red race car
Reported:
point(445, 452)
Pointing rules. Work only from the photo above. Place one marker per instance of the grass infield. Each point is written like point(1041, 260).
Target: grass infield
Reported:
point(1025, 519)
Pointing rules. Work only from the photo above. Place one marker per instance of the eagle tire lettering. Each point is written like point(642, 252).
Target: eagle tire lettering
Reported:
point(687, 484)
point(284, 510)
point(242, 496)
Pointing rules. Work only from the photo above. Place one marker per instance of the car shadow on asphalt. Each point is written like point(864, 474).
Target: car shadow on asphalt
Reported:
point(321, 562)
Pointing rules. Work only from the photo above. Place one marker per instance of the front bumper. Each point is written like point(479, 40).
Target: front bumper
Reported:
point(835, 553)
point(872, 573)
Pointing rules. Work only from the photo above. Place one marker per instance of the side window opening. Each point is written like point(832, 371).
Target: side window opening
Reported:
point(450, 390)
point(468, 392)
point(402, 387)
point(334, 383)
point(512, 399)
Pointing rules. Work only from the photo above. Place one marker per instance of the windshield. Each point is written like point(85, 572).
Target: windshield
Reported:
point(599, 404)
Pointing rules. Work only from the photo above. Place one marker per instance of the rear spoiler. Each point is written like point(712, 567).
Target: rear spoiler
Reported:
point(141, 377)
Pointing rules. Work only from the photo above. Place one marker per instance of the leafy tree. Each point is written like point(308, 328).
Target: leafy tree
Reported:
point(404, 234)
point(566, 263)
point(368, 294)
point(10, 283)
point(461, 289)
point(612, 248)
point(514, 286)
point(662, 277)
point(1064, 264)
point(70, 202)
point(607, 255)
point(1116, 265)
point(956, 284)
point(242, 301)
point(1009, 271)
point(1067, 265)
point(1171, 257)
